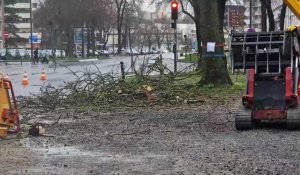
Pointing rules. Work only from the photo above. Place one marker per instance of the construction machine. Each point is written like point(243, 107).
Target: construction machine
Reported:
point(271, 62)
point(9, 115)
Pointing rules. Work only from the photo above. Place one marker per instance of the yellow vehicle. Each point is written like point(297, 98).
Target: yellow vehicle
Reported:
point(294, 5)
point(9, 114)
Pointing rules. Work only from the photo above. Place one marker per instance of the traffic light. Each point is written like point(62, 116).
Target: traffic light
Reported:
point(174, 9)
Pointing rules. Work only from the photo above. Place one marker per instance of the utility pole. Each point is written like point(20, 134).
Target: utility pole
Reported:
point(31, 44)
point(250, 17)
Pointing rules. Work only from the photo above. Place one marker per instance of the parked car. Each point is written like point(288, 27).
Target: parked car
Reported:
point(2, 54)
point(164, 51)
point(23, 53)
point(129, 52)
point(11, 53)
point(96, 53)
point(103, 53)
point(60, 53)
point(132, 51)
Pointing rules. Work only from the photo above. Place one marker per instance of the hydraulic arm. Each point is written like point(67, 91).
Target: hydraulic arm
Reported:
point(294, 5)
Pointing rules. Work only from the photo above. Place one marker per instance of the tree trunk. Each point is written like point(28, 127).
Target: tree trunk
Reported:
point(263, 17)
point(198, 33)
point(88, 41)
point(168, 41)
point(70, 41)
point(82, 40)
point(119, 39)
point(125, 37)
point(93, 39)
point(211, 15)
point(282, 17)
point(270, 13)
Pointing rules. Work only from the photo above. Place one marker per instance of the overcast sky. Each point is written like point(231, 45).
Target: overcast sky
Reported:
point(148, 8)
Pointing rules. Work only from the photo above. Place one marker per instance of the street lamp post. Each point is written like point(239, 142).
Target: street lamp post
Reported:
point(31, 44)
point(250, 15)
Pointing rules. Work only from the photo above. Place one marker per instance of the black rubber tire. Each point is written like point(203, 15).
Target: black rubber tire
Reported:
point(293, 119)
point(243, 119)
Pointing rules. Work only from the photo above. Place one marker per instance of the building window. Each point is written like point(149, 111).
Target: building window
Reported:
point(34, 5)
point(22, 1)
point(24, 20)
point(22, 10)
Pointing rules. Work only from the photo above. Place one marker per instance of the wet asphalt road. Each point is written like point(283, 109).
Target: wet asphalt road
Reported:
point(57, 77)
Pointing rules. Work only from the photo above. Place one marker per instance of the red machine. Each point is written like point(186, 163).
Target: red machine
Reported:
point(271, 60)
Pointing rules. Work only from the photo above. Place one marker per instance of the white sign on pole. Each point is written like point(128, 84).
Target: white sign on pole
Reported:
point(211, 46)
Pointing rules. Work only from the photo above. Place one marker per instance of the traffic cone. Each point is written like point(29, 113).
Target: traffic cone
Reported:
point(43, 77)
point(25, 80)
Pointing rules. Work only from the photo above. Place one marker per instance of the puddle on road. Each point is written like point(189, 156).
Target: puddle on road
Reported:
point(74, 153)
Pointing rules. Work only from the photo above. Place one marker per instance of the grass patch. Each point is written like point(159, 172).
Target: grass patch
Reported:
point(185, 88)
point(190, 58)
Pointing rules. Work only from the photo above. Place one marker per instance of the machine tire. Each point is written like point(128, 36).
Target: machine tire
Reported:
point(243, 119)
point(293, 119)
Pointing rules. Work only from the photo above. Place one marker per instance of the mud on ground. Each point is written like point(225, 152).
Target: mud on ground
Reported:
point(179, 141)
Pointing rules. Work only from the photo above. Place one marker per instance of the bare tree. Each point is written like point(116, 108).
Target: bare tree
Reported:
point(263, 17)
point(59, 18)
point(268, 6)
point(282, 16)
point(121, 6)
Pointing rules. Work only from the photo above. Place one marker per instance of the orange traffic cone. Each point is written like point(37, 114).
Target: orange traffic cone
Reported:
point(43, 77)
point(25, 80)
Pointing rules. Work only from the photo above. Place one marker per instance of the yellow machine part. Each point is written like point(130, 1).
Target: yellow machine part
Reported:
point(294, 5)
point(3, 131)
point(5, 102)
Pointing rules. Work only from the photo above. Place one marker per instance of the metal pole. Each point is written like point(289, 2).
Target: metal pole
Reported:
point(175, 47)
point(250, 17)
point(82, 41)
point(31, 44)
point(113, 41)
point(2, 24)
point(122, 70)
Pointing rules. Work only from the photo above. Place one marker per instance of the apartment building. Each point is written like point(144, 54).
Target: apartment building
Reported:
point(22, 9)
point(234, 17)
point(255, 15)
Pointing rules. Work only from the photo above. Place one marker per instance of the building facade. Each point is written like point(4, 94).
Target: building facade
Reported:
point(234, 17)
point(290, 18)
point(255, 15)
point(22, 9)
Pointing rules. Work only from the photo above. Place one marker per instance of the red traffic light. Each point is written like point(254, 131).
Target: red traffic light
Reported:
point(174, 10)
point(174, 4)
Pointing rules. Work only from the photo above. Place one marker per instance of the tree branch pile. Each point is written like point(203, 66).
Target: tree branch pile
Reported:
point(94, 91)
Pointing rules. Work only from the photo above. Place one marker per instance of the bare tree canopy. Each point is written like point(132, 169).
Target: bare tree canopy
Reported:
point(59, 18)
